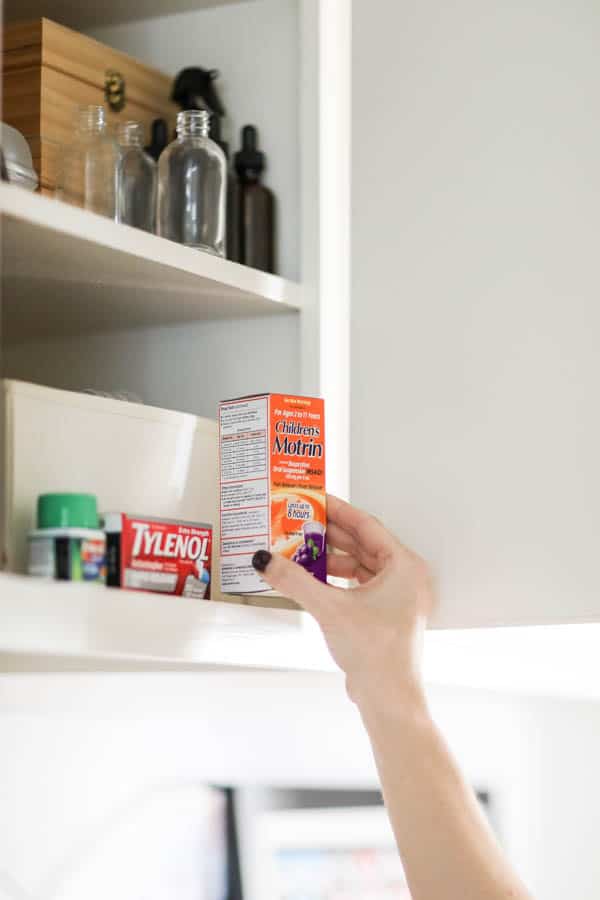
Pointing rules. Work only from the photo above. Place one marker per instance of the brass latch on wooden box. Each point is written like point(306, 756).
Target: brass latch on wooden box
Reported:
point(49, 70)
point(114, 90)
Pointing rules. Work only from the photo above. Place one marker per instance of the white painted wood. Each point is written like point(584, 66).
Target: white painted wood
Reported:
point(325, 178)
point(84, 13)
point(57, 626)
point(100, 627)
point(168, 346)
point(324, 322)
point(475, 285)
point(310, 178)
point(69, 271)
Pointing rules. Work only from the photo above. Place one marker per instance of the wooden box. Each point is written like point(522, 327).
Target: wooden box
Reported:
point(49, 70)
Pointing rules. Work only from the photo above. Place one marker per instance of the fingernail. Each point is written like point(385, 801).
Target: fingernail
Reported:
point(261, 560)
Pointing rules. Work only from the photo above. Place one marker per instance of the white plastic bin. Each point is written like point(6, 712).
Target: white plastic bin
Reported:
point(135, 459)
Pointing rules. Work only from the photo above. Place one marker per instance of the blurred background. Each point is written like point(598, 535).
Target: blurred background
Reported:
point(108, 787)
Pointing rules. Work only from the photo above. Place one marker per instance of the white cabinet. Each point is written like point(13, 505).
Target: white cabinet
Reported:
point(475, 286)
point(471, 347)
point(91, 304)
point(126, 311)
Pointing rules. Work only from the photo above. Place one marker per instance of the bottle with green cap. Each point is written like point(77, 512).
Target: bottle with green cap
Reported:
point(68, 543)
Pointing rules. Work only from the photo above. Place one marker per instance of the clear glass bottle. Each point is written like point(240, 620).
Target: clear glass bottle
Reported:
point(88, 169)
point(136, 199)
point(192, 180)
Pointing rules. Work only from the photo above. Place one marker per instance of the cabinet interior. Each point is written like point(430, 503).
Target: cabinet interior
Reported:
point(188, 366)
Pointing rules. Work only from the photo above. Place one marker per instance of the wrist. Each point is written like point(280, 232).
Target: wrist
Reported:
point(391, 695)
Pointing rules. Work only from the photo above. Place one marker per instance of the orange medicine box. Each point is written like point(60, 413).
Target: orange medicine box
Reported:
point(272, 459)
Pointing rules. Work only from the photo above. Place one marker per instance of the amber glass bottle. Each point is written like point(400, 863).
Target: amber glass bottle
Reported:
point(256, 221)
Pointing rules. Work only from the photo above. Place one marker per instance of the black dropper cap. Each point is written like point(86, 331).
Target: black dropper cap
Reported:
point(194, 88)
point(159, 138)
point(249, 161)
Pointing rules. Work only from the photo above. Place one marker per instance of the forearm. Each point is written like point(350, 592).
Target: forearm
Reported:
point(374, 632)
point(447, 847)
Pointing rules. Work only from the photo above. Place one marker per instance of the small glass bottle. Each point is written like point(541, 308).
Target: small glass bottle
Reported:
point(89, 166)
point(192, 179)
point(136, 200)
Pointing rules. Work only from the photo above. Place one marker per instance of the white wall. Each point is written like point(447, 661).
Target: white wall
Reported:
point(81, 756)
point(525, 752)
point(184, 367)
point(475, 289)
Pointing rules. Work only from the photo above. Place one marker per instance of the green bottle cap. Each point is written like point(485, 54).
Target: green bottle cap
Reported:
point(67, 511)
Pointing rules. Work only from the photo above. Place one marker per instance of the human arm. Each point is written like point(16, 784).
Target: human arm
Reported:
point(375, 634)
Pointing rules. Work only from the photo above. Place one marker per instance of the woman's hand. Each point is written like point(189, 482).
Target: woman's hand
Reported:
point(374, 631)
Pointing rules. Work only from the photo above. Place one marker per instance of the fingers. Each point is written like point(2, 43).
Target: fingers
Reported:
point(342, 540)
point(370, 534)
point(343, 566)
point(294, 582)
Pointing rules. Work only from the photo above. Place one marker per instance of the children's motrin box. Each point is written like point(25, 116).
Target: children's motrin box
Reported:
point(272, 454)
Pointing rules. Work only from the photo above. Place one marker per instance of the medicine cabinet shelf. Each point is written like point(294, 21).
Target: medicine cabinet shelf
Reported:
point(69, 271)
point(50, 626)
point(60, 626)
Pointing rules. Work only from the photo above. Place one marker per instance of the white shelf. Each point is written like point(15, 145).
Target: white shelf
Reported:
point(69, 271)
point(56, 625)
point(83, 13)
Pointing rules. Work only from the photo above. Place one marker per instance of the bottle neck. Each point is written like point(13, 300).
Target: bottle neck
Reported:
point(131, 134)
point(249, 176)
point(91, 119)
point(193, 123)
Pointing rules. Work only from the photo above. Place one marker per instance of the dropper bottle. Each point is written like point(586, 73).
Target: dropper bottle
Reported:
point(256, 205)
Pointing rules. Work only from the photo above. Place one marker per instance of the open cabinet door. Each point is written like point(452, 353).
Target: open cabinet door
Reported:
point(475, 285)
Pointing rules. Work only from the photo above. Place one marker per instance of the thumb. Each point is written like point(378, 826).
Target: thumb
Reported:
point(291, 580)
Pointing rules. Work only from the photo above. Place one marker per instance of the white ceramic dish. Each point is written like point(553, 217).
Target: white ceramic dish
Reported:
point(17, 157)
